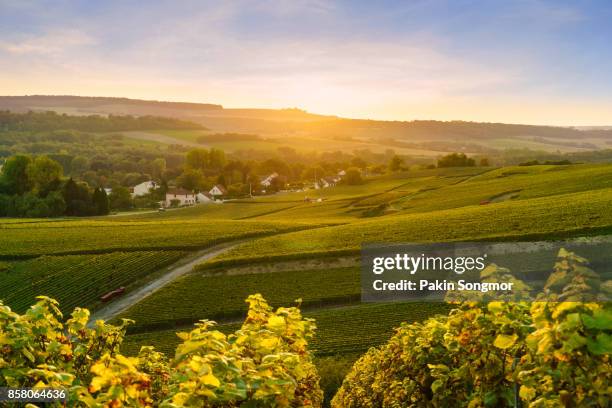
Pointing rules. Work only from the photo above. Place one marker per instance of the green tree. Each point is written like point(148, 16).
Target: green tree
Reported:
point(6, 205)
point(15, 178)
point(78, 166)
point(216, 159)
point(456, 160)
point(191, 179)
point(352, 177)
point(120, 199)
point(100, 201)
point(396, 163)
point(197, 159)
point(158, 168)
point(44, 174)
point(77, 198)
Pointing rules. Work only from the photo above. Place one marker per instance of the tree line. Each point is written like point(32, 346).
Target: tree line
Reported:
point(35, 187)
point(37, 121)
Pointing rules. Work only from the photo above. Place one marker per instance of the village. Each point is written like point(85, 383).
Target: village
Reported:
point(176, 197)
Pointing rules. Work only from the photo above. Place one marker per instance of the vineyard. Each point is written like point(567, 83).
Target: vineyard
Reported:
point(559, 215)
point(516, 183)
point(551, 352)
point(30, 239)
point(222, 297)
point(284, 247)
point(78, 280)
point(340, 330)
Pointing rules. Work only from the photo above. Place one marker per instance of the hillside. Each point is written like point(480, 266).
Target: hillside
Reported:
point(417, 137)
point(287, 248)
point(428, 205)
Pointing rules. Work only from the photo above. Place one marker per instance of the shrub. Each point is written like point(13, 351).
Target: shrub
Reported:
point(265, 363)
point(456, 160)
point(552, 352)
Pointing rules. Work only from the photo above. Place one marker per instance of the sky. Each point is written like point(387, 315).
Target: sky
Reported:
point(523, 61)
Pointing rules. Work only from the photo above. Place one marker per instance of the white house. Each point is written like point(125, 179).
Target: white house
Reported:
point(217, 191)
point(341, 173)
point(143, 188)
point(179, 197)
point(267, 181)
point(321, 183)
point(326, 182)
point(204, 198)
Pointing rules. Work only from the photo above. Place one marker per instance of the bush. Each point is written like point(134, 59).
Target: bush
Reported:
point(547, 353)
point(265, 363)
point(456, 160)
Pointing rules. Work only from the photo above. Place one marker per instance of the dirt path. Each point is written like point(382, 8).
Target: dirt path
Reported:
point(173, 272)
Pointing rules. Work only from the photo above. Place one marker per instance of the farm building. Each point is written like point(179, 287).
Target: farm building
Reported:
point(204, 198)
point(218, 191)
point(143, 188)
point(326, 182)
point(179, 197)
point(267, 181)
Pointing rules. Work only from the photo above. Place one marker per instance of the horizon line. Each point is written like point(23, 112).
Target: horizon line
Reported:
point(329, 115)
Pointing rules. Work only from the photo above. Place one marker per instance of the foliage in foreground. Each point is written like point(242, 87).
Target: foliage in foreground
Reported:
point(266, 363)
point(554, 352)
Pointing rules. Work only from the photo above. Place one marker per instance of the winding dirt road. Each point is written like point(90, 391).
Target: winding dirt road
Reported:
point(172, 273)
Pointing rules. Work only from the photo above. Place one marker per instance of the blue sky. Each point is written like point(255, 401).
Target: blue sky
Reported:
point(528, 61)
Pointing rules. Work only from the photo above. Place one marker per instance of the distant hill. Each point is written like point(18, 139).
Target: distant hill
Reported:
point(593, 127)
point(92, 102)
point(294, 123)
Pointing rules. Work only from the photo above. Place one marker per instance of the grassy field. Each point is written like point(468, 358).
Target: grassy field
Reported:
point(77, 280)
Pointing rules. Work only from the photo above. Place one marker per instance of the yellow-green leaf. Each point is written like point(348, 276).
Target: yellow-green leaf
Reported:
point(505, 341)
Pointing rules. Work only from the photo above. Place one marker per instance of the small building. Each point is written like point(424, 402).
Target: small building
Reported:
point(218, 191)
point(143, 188)
point(179, 197)
point(267, 181)
point(326, 182)
point(204, 198)
point(321, 183)
point(342, 173)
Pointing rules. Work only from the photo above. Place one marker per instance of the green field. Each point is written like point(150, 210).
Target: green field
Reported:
point(97, 236)
point(562, 215)
point(78, 280)
point(221, 297)
point(77, 260)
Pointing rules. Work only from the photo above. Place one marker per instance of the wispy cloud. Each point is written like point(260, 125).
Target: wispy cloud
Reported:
point(352, 58)
point(52, 43)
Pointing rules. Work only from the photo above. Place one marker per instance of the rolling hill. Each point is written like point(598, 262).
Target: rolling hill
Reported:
point(420, 138)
